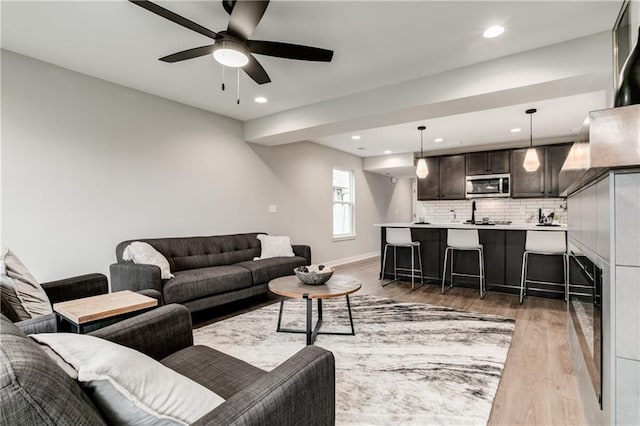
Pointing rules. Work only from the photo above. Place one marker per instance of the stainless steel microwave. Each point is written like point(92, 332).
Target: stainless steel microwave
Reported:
point(488, 186)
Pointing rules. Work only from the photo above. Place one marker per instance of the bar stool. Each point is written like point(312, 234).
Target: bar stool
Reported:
point(401, 237)
point(464, 240)
point(546, 243)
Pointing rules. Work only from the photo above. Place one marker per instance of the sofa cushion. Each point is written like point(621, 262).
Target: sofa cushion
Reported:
point(265, 270)
point(22, 296)
point(36, 391)
point(217, 371)
point(140, 252)
point(202, 252)
point(197, 283)
point(128, 386)
point(273, 246)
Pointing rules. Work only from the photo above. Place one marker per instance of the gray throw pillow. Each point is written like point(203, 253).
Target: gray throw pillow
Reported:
point(20, 290)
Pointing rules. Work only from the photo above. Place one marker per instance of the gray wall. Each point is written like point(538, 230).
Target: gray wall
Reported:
point(87, 163)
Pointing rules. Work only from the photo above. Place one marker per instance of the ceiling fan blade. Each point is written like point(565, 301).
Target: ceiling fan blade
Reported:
point(289, 51)
point(228, 5)
point(245, 16)
point(196, 52)
point(255, 71)
point(173, 17)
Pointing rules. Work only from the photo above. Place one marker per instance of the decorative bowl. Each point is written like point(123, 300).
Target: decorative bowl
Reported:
point(314, 274)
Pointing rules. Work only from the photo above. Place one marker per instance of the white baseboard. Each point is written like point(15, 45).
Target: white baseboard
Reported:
point(351, 259)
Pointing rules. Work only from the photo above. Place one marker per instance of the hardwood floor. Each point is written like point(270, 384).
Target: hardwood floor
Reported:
point(537, 386)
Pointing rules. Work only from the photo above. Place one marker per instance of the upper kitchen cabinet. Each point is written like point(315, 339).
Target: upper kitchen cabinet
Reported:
point(526, 184)
point(429, 187)
point(554, 159)
point(488, 163)
point(452, 177)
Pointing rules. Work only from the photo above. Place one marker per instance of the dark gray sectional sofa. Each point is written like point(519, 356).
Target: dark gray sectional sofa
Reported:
point(208, 271)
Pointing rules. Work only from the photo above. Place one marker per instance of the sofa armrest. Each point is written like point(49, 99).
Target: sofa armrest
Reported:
point(135, 276)
point(301, 391)
point(42, 324)
point(303, 251)
point(76, 287)
point(157, 333)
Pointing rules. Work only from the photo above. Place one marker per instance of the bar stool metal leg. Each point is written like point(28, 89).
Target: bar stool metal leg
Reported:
point(523, 278)
point(483, 288)
point(444, 272)
point(413, 269)
point(566, 276)
point(420, 262)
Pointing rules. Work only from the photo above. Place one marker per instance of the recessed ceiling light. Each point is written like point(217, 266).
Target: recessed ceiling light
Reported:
point(438, 140)
point(516, 130)
point(493, 31)
point(355, 137)
point(260, 99)
point(387, 152)
point(361, 148)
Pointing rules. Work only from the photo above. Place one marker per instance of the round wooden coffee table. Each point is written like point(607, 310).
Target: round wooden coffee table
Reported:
point(292, 287)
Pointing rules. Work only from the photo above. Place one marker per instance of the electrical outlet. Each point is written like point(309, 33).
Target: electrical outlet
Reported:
point(396, 211)
point(273, 208)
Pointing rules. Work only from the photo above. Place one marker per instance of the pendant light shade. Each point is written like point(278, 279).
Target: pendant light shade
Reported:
point(422, 171)
point(531, 161)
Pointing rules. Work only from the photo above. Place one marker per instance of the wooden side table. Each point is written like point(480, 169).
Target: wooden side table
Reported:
point(85, 312)
point(337, 286)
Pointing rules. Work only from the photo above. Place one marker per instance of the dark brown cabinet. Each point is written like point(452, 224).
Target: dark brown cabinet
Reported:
point(556, 155)
point(452, 177)
point(488, 163)
point(526, 184)
point(429, 187)
point(542, 182)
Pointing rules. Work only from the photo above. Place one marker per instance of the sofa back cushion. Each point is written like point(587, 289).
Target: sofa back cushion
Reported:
point(35, 390)
point(202, 252)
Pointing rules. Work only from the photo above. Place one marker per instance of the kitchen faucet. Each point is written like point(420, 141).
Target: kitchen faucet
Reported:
point(473, 212)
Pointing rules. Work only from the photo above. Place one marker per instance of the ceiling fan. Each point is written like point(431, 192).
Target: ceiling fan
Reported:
point(232, 47)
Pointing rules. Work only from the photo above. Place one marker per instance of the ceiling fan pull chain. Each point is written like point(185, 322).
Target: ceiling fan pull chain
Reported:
point(222, 77)
point(238, 91)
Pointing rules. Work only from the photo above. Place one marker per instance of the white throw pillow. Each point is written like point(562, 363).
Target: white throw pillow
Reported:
point(129, 387)
point(21, 290)
point(274, 247)
point(140, 252)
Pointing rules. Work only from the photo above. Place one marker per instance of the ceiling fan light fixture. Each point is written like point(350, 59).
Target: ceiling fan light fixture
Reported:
point(231, 54)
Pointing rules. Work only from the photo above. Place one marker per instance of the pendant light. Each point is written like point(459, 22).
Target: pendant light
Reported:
point(531, 162)
point(422, 170)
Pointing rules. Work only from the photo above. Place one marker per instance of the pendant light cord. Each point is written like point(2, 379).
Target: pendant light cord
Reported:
point(421, 152)
point(531, 130)
point(530, 112)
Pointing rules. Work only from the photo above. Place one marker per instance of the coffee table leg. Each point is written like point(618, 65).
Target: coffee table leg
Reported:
point(280, 314)
point(353, 332)
point(309, 314)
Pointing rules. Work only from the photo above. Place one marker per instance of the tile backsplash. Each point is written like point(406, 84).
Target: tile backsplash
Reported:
point(518, 211)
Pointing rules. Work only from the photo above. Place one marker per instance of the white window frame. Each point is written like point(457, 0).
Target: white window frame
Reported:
point(352, 202)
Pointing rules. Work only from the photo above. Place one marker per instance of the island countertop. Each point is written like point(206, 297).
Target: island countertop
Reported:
point(460, 225)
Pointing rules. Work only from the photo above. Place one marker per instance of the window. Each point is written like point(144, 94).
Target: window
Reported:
point(343, 204)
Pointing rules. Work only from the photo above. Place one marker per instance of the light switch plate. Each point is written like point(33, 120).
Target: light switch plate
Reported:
point(273, 208)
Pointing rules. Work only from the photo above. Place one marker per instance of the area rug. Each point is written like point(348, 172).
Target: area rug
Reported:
point(409, 363)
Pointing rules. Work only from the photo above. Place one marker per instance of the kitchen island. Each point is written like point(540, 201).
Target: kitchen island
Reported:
point(503, 247)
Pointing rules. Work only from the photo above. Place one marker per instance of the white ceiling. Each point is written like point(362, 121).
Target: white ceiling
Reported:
point(376, 43)
point(555, 119)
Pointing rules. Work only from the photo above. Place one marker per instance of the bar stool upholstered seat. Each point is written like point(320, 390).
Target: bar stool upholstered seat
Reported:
point(401, 237)
point(546, 243)
point(463, 240)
